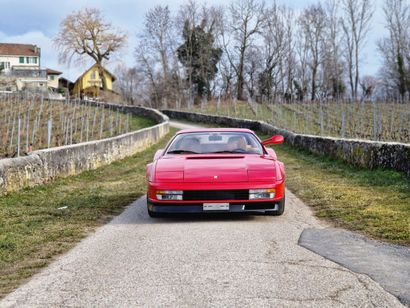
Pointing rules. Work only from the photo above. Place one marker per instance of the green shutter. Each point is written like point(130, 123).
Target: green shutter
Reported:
point(21, 60)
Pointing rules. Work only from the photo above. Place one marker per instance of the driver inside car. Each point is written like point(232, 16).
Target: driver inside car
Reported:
point(237, 143)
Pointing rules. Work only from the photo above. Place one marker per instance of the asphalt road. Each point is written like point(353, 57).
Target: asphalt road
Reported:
point(200, 261)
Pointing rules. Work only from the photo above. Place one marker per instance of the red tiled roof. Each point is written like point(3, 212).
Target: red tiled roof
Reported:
point(52, 72)
point(7, 49)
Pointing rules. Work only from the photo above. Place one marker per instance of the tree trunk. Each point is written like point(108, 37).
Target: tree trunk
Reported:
point(240, 75)
point(401, 75)
point(356, 79)
point(351, 76)
point(101, 75)
point(314, 70)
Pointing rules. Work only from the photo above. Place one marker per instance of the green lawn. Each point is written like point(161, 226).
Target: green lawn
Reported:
point(33, 229)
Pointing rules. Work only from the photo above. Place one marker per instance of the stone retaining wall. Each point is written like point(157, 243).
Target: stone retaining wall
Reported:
point(45, 165)
point(361, 153)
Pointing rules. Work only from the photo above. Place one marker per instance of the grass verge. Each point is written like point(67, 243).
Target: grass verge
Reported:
point(373, 202)
point(33, 230)
point(140, 122)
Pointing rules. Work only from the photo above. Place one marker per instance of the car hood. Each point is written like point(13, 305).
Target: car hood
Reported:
point(215, 169)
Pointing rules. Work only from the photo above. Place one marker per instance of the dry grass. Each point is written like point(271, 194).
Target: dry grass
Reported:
point(373, 202)
point(378, 121)
point(71, 122)
point(33, 230)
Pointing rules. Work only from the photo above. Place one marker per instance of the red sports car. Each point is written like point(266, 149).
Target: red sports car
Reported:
point(216, 170)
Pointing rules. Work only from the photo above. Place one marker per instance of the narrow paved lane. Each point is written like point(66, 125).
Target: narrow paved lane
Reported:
point(199, 261)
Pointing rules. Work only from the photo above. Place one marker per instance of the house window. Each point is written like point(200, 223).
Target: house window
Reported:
point(4, 65)
point(30, 60)
point(21, 60)
point(93, 75)
point(51, 77)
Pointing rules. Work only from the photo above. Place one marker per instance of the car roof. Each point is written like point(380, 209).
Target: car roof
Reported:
point(202, 130)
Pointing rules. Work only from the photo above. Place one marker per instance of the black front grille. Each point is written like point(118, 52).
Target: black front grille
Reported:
point(260, 206)
point(242, 194)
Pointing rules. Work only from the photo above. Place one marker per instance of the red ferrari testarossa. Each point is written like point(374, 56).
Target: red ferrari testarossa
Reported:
point(216, 170)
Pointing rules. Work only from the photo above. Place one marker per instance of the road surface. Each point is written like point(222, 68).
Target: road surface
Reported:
point(200, 261)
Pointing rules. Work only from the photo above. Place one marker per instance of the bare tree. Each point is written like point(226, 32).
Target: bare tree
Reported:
point(369, 86)
point(333, 67)
point(155, 51)
point(153, 81)
point(301, 79)
point(269, 51)
point(252, 69)
point(245, 21)
point(395, 48)
point(158, 35)
point(86, 33)
point(289, 53)
point(313, 23)
point(128, 83)
point(355, 24)
point(226, 77)
point(273, 50)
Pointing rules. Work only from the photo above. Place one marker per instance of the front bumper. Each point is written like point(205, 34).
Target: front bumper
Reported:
point(197, 207)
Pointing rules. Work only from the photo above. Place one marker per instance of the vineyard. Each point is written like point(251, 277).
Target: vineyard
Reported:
point(364, 120)
point(31, 122)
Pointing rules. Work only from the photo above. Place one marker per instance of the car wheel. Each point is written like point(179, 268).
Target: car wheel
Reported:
point(154, 214)
point(280, 210)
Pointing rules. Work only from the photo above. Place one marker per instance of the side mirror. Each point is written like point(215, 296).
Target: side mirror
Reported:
point(158, 154)
point(277, 139)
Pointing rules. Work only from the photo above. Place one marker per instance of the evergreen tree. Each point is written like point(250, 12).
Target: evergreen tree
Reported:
point(200, 57)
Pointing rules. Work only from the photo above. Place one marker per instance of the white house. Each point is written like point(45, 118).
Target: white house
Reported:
point(19, 56)
point(20, 65)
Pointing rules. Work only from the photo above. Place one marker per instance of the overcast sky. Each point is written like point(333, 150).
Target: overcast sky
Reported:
point(36, 22)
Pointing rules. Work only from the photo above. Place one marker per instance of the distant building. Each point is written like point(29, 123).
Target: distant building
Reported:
point(20, 69)
point(19, 56)
point(53, 77)
point(65, 84)
point(20, 66)
point(89, 84)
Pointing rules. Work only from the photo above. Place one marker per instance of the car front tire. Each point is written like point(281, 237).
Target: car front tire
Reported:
point(280, 210)
point(154, 214)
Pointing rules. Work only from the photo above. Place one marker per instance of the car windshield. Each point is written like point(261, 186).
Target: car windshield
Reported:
point(215, 142)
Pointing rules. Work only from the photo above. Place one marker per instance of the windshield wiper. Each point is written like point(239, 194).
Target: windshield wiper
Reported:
point(182, 151)
point(229, 152)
